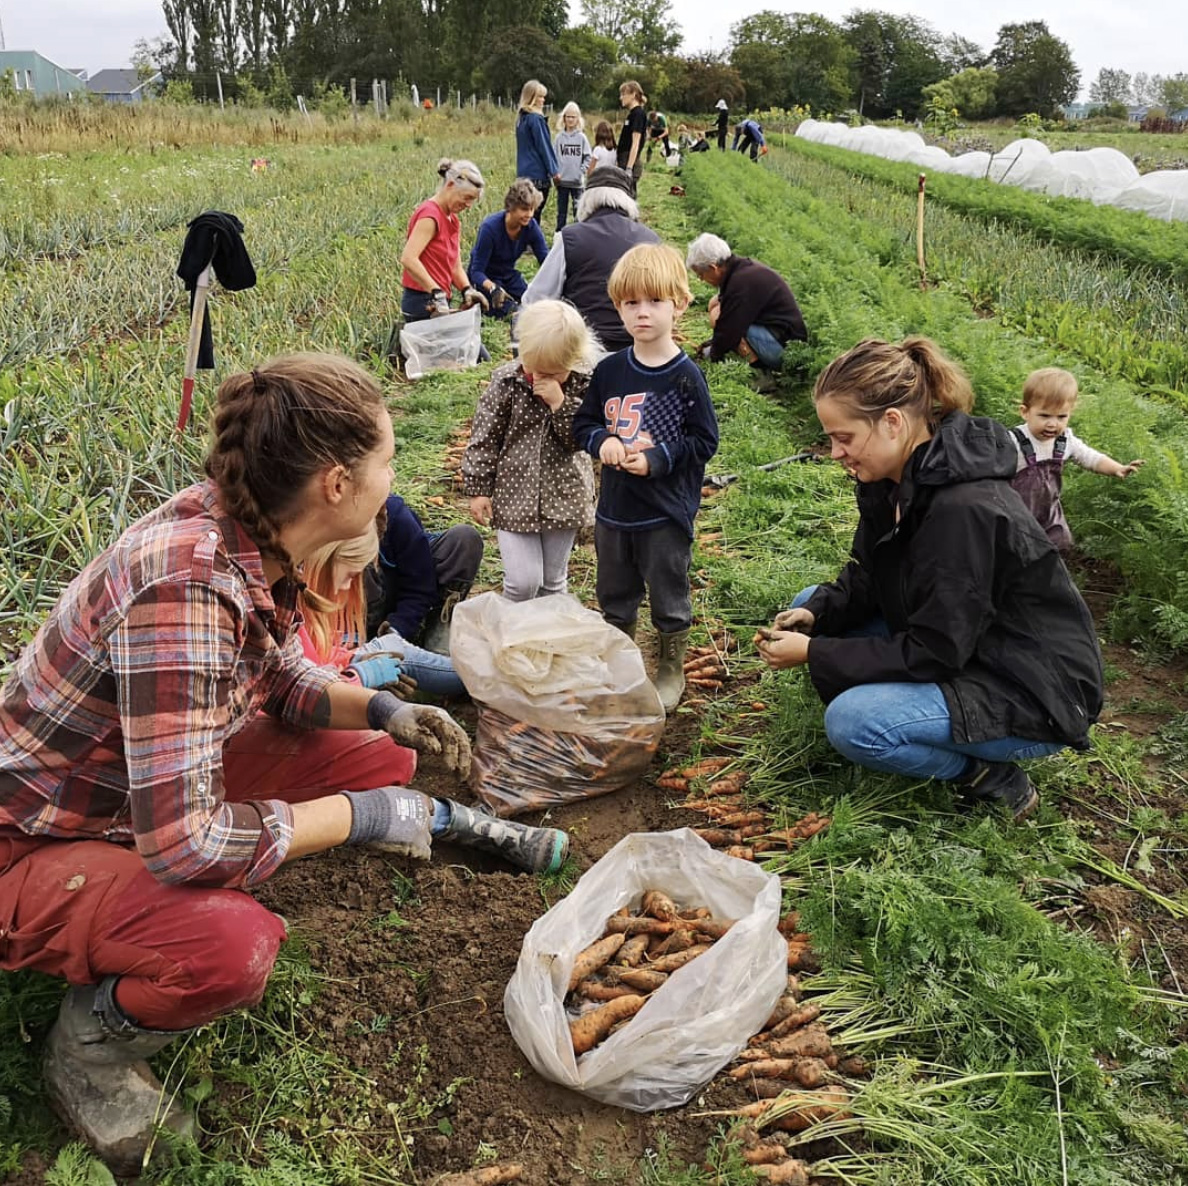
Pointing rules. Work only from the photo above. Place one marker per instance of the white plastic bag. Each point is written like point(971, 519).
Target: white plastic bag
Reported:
point(566, 710)
point(673, 160)
point(450, 342)
point(694, 1024)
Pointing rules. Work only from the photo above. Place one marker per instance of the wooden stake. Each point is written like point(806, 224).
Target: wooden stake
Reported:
point(200, 291)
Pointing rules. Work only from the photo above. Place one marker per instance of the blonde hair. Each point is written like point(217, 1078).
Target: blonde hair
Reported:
point(652, 270)
point(530, 92)
point(604, 134)
point(331, 617)
point(631, 87)
point(522, 195)
point(462, 174)
point(914, 375)
point(571, 108)
point(553, 337)
point(1050, 387)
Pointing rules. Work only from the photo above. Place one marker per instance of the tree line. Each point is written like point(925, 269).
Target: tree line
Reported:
point(877, 63)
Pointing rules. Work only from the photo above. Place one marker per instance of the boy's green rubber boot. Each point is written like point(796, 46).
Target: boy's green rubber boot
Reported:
point(538, 850)
point(670, 671)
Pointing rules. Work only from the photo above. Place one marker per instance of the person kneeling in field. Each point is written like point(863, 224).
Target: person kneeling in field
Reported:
point(127, 839)
point(954, 643)
point(502, 238)
point(753, 312)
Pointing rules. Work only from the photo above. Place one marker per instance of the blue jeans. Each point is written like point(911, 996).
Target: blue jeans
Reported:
point(435, 674)
point(565, 195)
point(766, 346)
point(905, 728)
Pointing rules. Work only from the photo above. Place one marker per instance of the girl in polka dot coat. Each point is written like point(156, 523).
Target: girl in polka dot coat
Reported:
point(523, 471)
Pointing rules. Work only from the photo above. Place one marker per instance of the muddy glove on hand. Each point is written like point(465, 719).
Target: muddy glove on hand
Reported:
point(500, 299)
point(381, 669)
point(423, 728)
point(395, 819)
point(439, 302)
point(471, 297)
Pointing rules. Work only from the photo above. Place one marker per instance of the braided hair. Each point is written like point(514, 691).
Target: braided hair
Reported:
point(278, 426)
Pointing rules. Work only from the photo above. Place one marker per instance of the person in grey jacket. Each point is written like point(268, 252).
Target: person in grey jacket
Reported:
point(584, 254)
point(522, 470)
point(573, 153)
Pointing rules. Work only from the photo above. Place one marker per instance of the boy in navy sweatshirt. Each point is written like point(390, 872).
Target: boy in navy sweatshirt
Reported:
point(648, 417)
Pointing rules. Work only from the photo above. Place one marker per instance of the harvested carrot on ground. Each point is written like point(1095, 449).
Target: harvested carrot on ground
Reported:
point(599, 990)
point(593, 957)
point(831, 1106)
point(787, 1004)
point(740, 819)
point(792, 1172)
point(764, 1153)
point(789, 924)
point(629, 925)
point(740, 852)
point(491, 1175)
point(706, 767)
point(678, 959)
point(715, 808)
point(808, 1072)
point(719, 837)
point(672, 782)
point(642, 979)
point(855, 1066)
point(728, 784)
point(796, 1020)
point(812, 1042)
point(589, 1029)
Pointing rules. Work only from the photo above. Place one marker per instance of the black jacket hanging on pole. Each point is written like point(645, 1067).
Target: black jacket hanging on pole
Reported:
point(214, 239)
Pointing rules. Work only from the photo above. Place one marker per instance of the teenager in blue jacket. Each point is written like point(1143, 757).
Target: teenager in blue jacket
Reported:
point(535, 158)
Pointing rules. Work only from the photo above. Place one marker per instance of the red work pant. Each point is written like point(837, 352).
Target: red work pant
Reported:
point(86, 909)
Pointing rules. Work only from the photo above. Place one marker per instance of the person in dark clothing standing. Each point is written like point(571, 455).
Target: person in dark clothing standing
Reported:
point(954, 643)
point(723, 123)
point(421, 576)
point(635, 131)
point(754, 311)
point(585, 252)
point(535, 158)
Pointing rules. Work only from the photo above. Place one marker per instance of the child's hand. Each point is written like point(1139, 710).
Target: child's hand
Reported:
point(549, 392)
point(612, 452)
point(636, 463)
point(1124, 471)
point(480, 510)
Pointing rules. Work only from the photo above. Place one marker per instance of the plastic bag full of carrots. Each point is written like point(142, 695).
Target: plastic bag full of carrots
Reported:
point(692, 1014)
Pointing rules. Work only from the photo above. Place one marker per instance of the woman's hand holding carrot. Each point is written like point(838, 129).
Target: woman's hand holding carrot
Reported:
point(481, 510)
point(783, 648)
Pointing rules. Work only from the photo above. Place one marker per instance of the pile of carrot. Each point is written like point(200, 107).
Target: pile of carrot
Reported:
point(491, 1175)
point(705, 669)
point(520, 767)
point(638, 953)
point(455, 451)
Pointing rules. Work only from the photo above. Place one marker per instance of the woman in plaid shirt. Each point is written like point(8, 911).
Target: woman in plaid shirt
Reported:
point(165, 745)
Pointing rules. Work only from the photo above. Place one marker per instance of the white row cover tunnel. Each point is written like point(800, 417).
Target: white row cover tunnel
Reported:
point(1103, 176)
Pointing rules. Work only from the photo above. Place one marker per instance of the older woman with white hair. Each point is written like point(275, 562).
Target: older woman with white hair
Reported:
point(585, 252)
point(753, 312)
point(432, 256)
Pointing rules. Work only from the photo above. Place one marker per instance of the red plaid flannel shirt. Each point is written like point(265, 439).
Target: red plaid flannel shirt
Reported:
point(113, 723)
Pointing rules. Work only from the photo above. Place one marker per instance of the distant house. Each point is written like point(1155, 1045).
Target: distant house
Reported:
point(1136, 115)
point(37, 75)
point(1181, 116)
point(1076, 110)
point(123, 86)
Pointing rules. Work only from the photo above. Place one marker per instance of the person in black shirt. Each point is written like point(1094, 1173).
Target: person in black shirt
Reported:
point(723, 123)
point(635, 130)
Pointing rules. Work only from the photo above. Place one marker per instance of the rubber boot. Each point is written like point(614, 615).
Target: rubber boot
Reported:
point(1002, 783)
point(537, 850)
point(99, 1083)
point(670, 671)
point(437, 634)
point(628, 628)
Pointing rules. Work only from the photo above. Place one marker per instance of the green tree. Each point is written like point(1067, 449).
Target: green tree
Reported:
point(972, 92)
point(177, 20)
point(896, 57)
point(1146, 88)
point(786, 60)
point(1173, 92)
point(523, 52)
point(1110, 86)
point(1036, 71)
point(641, 28)
point(592, 60)
point(959, 53)
point(698, 81)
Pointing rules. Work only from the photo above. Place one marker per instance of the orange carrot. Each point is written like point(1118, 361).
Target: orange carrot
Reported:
point(796, 1020)
point(706, 767)
point(642, 979)
point(764, 1154)
point(811, 1041)
point(785, 1005)
point(714, 928)
point(589, 1029)
point(598, 990)
point(740, 852)
point(672, 782)
point(855, 1066)
point(792, 1172)
point(728, 784)
point(719, 837)
point(829, 1103)
point(738, 819)
point(659, 905)
point(491, 1175)
point(628, 925)
point(808, 1072)
point(678, 959)
point(593, 957)
point(699, 912)
point(633, 951)
point(678, 941)
point(715, 807)
point(789, 924)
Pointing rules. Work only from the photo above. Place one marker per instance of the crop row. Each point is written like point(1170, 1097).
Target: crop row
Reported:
point(844, 270)
point(1120, 234)
point(1121, 319)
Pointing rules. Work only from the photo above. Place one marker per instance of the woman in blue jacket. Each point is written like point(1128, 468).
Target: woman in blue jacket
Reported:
point(535, 158)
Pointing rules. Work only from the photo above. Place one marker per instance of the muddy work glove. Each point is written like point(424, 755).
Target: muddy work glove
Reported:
point(471, 297)
point(439, 302)
point(381, 669)
point(501, 300)
point(395, 819)
point(423, 728)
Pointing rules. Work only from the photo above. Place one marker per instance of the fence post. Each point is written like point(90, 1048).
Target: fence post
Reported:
point(375, 96)
point(219, 80)
point(354, 102)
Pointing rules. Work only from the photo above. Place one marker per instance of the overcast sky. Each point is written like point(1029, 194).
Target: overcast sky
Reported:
point(1150, 35)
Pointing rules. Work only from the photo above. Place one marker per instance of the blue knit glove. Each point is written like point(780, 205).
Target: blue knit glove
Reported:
point(381, 669)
